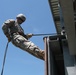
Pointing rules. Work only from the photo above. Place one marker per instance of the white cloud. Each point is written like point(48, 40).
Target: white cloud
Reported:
point(36, 30)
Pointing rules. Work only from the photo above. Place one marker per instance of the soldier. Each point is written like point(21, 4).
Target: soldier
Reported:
point(14, 32)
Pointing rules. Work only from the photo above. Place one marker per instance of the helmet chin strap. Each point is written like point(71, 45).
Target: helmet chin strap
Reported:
point(19, 21)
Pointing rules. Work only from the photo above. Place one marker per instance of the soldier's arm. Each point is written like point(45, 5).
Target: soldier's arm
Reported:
point(6, 25)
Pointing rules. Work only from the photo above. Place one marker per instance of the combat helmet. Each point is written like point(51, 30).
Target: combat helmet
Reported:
point(21, 17)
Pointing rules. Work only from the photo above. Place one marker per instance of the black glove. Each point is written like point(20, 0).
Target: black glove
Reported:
point(9, 38)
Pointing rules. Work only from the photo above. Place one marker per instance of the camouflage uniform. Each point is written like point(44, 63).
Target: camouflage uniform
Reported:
point(19, 39)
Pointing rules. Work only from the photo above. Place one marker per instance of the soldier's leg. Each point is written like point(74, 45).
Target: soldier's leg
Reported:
point(28, 46)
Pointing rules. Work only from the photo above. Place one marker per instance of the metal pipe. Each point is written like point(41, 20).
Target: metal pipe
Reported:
point(46, 56)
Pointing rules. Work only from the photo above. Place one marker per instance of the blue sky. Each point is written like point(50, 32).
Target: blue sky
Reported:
point(38, 21)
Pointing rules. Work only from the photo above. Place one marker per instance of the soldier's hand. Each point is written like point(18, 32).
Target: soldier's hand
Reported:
point(29, 35)
point(9, 39)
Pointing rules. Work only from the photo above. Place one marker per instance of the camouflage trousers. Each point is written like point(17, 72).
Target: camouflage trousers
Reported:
point(26, 45)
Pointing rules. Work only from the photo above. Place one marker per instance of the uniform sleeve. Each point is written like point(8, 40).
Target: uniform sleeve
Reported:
point(6, 26)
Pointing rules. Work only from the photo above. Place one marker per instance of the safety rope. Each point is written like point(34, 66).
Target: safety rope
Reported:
point(45, 34)
point(4, 58)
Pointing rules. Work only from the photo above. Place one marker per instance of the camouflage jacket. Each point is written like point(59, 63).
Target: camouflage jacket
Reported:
point(11, 26)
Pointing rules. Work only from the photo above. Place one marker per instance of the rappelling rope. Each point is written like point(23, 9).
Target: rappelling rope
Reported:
point(4, 58)
point(45, 34)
